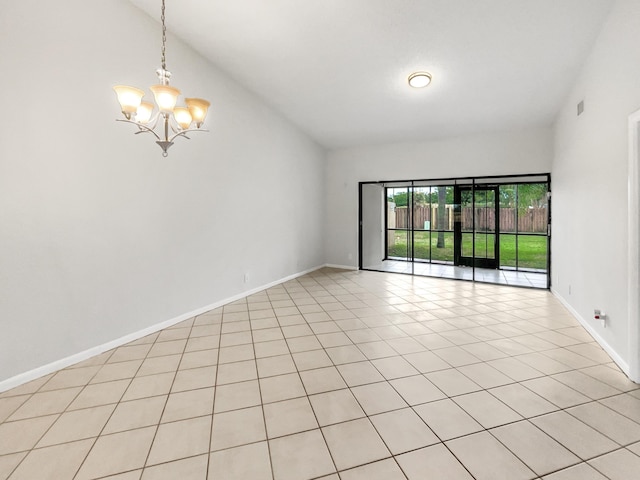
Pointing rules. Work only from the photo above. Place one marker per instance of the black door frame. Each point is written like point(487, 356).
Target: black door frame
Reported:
point(473, 261)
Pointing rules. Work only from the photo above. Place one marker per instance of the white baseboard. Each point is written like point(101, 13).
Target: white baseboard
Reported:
point(341, 267)
point(624, 366)
point(38, 372)
point(91, 352)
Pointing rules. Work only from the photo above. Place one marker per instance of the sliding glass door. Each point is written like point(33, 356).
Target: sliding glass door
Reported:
point(484, 229)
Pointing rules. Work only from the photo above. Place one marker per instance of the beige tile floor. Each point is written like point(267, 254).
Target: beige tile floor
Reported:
point(339, 375)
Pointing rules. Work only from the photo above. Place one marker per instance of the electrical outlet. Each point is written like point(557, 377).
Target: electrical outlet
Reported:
point(601, 317)
point(246, 277)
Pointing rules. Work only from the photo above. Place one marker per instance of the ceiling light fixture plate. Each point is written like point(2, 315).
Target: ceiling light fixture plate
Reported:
point(420, 79)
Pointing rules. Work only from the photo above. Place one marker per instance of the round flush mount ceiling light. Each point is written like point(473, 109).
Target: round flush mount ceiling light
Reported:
point(419, 79)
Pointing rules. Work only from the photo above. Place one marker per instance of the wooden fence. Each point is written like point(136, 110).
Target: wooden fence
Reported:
point(532, 220)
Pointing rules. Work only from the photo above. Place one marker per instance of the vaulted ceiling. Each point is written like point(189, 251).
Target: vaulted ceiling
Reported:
point(338, 68)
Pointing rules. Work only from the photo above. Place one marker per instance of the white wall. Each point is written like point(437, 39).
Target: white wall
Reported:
point(100, 236)
point(506, 153)
point(590, 174)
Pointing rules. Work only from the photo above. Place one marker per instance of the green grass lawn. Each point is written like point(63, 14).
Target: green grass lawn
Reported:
point(532, 250)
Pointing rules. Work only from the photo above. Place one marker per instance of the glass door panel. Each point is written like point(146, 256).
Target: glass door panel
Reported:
point(463, 228)
point(485, 227)
point(421, 246)
point(398, 248)
point(442, 207)
point(532, 208)
point(398, 245)
point(507, 250)
point(476, 230)
point(532, 252)
point(467, 245)
point(422, 220)
point(442, 252)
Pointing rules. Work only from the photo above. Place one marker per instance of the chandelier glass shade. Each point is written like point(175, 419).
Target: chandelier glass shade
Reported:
point(171, 121)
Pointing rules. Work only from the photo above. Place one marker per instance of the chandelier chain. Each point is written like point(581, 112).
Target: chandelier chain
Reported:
point(164, 39)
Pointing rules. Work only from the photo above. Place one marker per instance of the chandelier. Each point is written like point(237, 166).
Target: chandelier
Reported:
point(172, 121)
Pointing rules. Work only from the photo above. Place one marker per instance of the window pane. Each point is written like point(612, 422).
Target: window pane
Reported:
point(507, 250)
point(485, 245)
point(397, 199)
point(442, 246)
point(466, 210)
point(467, 245)
point(508, 209)
point(490, 245)
point(398, 246)
point(422, 208)
point(441, 198)
point(532, 252)
point(532, 208)
point(421, 245)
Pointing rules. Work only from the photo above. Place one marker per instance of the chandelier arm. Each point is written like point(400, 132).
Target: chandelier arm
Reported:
point(184, 132)
point(153, 123)
point(143, 128)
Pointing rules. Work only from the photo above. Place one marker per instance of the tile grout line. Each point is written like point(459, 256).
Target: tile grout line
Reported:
point(264, 417)
point(315, 415)
point(124, 392)
point(169, 393)
point(215, 393)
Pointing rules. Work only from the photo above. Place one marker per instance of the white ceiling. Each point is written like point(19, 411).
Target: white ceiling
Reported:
point(338, 68)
